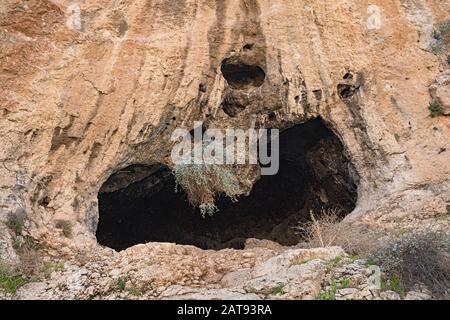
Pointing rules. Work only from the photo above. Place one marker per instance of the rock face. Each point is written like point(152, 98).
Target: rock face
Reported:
point(168, 271)
point(89, 88)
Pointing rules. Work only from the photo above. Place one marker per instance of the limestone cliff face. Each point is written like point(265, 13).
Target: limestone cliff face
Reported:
point(89, 87)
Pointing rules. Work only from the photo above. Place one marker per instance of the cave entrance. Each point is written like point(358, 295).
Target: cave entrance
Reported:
point(139, 204)
point(242, 76)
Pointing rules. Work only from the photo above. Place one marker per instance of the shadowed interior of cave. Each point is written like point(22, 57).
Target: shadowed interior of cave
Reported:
point(139, 204)
point(242, 76)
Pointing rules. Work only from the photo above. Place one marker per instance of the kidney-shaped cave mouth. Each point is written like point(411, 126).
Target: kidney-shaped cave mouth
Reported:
point(139, 204)
point(241, 75)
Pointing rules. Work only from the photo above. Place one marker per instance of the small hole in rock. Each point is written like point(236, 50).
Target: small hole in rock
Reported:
point(44, 201)
point(242, 76)
point(318, 94)
point(232, 106)
point(202, 87)
point(247, 47)
point(346, 91)
point(348, 76)
point(272, 115)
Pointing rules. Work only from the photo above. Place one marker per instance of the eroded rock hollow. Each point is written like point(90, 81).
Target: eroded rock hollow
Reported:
point(140, 204)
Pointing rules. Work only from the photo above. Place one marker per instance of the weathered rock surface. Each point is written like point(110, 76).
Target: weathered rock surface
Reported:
point(88, 88)
point(169, 271)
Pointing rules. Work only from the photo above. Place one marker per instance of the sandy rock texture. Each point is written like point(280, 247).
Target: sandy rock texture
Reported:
point(90, 87)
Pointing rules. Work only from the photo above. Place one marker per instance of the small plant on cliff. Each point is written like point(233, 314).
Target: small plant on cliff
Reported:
point(15, 223)
point(48, 267)
point(441, 38)
point(134, 291)
point(417, 258)
point(9, 281)
point(330, 294)
point(393, 284)
point(65, 226)
point(121, 284)
point(278, 290)
point(30, 258)
point(435, 109)
point(202, 182)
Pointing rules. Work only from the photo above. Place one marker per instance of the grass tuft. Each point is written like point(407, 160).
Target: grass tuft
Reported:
point(278, 290)
point(9, 281)
point(435, 109)
point(15, 222)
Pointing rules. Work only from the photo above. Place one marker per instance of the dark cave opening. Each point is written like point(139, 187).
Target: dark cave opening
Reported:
point(139, 204)
point(241, 75)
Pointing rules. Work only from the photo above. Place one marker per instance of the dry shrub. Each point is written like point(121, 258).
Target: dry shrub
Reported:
point(65, 226)
point(30, 258)
point(411, 258)
point(326, 229)
point(440, 38)
point(202, 182)
point(417, 258)
point(15, 222)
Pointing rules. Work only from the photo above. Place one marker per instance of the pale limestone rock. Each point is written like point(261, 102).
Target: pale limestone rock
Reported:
point(90, 91)
point(443, 97)
point(414, 295)
point(257, 243)
point(7, 253)
point(191, 274)
point(211, 294)
point(389, 295)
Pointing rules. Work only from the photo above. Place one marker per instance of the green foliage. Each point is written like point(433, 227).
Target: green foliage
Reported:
point(49, 267)
point(444, 29)
point(441, 37)
point(336, 260)
point(435, 109)
point(326, 296)
point(415, 258)
point(65, 226)
point(134, 291)
point(353, 258)
point(15, 223)
point(300, 262)
point(278, 290)
point(202, 182)
point(121, 284)
point(344, 283)
point(393, 284)
point(9, 281)
point(330, 294)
